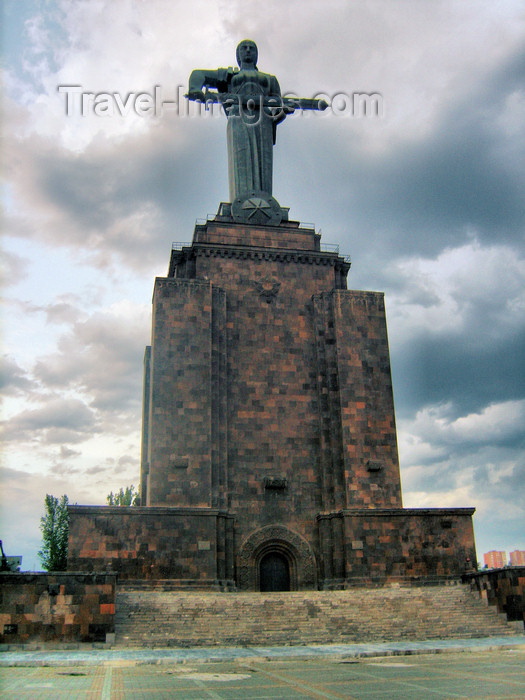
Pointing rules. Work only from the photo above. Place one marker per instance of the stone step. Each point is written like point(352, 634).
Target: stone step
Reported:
point(182, 618)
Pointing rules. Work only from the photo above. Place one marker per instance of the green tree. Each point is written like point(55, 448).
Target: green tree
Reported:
point(125, 497)
point(55, 533)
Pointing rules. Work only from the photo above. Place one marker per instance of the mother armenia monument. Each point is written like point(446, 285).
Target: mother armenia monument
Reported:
point(269, 453)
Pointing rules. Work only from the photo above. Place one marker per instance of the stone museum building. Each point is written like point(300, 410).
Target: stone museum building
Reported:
point(269, 453)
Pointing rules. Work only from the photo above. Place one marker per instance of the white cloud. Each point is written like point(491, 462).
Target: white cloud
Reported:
point(497, 422)
point(435, 430)
point(472, 285)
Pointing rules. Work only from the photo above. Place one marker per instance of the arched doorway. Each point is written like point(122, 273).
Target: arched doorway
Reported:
point(274, 572)
point(277, 540)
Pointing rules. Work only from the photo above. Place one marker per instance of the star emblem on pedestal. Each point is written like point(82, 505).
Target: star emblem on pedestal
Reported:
point(255, 204)
point(258, 208)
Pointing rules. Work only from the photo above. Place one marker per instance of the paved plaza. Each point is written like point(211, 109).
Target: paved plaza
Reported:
point(473, 669)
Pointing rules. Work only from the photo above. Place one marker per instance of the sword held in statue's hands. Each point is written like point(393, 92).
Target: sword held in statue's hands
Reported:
point(251, 102)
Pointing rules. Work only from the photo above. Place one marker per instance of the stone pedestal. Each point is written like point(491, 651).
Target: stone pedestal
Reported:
point(268, 405)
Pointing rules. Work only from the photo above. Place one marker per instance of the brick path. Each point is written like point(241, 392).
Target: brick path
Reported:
point(487, 674)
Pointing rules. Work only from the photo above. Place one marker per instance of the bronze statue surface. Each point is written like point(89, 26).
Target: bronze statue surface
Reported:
point(254, 107)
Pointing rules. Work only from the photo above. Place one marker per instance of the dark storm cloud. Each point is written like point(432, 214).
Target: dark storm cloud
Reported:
point(129, 199)
point(464, 344)
point(463, 177)
point(125, 201)
point(462, 181)
point(467, 174)
point(429, 371)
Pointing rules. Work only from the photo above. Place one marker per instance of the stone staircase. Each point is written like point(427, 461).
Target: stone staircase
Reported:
point(170, 618)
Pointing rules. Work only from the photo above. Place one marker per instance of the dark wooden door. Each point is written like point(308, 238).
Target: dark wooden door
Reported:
point(274, 573)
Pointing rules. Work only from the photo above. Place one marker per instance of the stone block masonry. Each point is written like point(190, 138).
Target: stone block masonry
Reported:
point(403, 544)
point(190, 544)
point(51, 607)
point(503, 589)
point(268, 430)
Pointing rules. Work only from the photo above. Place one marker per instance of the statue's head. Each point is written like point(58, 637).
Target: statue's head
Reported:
point(247, 53)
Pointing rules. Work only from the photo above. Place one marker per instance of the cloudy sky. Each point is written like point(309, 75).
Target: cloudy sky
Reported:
point(428, 199)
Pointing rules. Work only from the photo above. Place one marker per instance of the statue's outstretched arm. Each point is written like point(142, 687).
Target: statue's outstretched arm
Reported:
point(218, 79)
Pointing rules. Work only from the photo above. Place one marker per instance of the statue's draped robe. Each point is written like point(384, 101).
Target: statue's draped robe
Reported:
point(251, 134)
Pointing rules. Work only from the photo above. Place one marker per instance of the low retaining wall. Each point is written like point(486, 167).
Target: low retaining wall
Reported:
point(153, 542)
point(504, 588)
point(56, 607)
point(387, 545)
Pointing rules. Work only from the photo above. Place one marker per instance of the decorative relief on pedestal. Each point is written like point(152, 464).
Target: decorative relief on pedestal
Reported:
point(275, 484)
point(372, 466)
point(178, 462)
point(268, 289)
point(368, 300)
point(295, 257)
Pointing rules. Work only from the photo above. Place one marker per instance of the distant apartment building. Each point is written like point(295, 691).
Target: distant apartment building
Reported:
point(495, 560)
point(517, 558)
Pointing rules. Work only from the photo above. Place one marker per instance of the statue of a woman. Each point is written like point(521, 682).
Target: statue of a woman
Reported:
point(254, 106)
point(247, 96)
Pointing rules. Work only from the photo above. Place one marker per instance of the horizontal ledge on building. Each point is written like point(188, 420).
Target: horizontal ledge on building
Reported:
point(89, 576)
point(358, 298)
point(386, 581)
point(287, 225)
point(148, 510)
point(175, 281)
point(176, 584)
point(395, 512)
point(287, 255)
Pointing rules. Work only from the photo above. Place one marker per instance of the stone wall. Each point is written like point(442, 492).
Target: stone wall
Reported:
point(502, 588)
point(193, 544)
point(56, 607)
point(289, 235)
point(382, 545)
point(206, 547)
